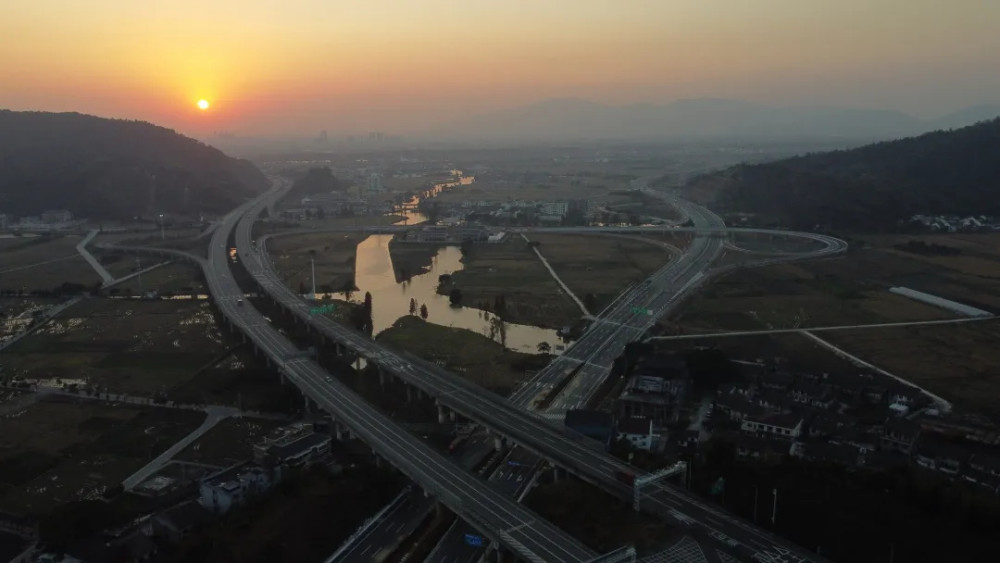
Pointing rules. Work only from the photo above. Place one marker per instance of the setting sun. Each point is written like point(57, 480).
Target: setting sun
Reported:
point(203, 104)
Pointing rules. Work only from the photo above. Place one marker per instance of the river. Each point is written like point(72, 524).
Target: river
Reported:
point(373, 272)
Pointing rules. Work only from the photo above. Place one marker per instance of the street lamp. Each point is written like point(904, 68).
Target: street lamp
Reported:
point(162, 236)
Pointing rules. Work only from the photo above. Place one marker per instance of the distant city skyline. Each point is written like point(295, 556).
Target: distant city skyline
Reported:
point(354, 66)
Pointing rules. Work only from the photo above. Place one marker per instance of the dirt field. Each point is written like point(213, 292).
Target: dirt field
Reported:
point(960, 362)
point(474, 356)
point(512, 269)
point(130, 346)
point(599, 265)
point(55, 452)
point(334, 255)
point(43, 263)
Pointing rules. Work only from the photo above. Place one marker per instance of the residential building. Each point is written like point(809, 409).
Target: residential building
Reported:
point(293, 445)
point(938, 455)
point(53, 216)
point(653, 397)
point(638, 431)
point(760, 449)
point(227, 488)
point(786, 425)
point(900, 435)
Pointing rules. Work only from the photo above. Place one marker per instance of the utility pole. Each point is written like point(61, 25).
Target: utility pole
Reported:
point(162, 236)
point(755, 504)
point(312, 261)
point(774, 508)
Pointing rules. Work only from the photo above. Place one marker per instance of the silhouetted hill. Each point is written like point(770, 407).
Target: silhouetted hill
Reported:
point(871, 187)
point(317, 181)
point(705, 118)
point(110, 168)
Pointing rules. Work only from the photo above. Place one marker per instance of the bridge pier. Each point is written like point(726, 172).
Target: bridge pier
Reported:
point(442, 413)
point(498, 443)
point(409, 394)
point(381, 377)
point(452, 416)
point(558, 473)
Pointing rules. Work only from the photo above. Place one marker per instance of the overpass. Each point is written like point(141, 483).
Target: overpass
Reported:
point(511, 423)
point(502, 520)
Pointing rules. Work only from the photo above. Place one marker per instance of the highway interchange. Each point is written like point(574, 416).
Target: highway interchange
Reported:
point(517, 528)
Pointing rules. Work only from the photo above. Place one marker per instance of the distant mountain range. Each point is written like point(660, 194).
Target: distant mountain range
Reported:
point(575, 120)
point(867, 188)
point(111, 168)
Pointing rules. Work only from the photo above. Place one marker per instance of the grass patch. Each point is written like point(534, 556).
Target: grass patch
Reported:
point(600, 266)
point(128, 346)
point(471, 355)
point(958, 362)
point(43, 263)
point(333, 253)
point(60, 451)
point(821, 293)
point(511, 269)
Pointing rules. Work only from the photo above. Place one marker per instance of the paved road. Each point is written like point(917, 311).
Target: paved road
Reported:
point(536, 433)
point(213, 416)
point(519, 529)
point(625, 321)
point(511, 478)
point(81, 248)
point(397, 525)
point(819, 328)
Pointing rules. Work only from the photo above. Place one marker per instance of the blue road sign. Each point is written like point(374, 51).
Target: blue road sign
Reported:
point(474, 540)
point(514, 463)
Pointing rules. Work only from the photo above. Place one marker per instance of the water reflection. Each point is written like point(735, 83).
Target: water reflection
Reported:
point(391, 300)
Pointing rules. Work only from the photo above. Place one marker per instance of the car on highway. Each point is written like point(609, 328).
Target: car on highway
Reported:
point(239, 302)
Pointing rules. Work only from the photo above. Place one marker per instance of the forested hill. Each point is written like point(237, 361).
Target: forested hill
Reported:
point(871, 187)
point(109, 168)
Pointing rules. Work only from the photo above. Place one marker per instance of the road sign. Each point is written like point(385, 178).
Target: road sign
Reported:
point(474, 540)
point(323, 309)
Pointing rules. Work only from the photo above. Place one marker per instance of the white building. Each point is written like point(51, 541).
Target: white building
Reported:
point(788, 426)
point(221, 491)
point(638, 430)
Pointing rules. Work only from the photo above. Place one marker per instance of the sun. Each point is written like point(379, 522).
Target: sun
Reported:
point(203, 104)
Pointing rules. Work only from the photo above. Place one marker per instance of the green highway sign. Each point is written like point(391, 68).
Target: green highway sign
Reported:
point(641, 311)
point(323, 309)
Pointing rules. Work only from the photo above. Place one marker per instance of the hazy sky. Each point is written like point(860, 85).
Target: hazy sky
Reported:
point(280, 66)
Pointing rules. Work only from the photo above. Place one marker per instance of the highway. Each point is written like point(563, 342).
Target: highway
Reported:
point(515, 527)
point(528, 430)
point(626, 320)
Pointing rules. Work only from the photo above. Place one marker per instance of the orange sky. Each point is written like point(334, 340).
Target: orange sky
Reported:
point(298, 66)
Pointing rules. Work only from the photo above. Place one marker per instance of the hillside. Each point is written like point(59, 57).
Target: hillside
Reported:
point(871, 187)
point(105, 168)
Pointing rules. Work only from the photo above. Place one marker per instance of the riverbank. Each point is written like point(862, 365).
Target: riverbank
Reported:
point(473, 356)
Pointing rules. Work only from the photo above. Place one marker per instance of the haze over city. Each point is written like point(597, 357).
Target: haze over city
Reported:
point(292, 68)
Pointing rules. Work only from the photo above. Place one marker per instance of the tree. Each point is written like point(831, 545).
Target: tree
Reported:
point(423, 312)
point(413, 306)
point(368, 303)
point(455, 297)
point(467, 247)
point(544, 348)
point(320, 213)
